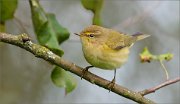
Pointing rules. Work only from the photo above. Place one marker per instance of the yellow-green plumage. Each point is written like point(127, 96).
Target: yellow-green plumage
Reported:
point(105, 48)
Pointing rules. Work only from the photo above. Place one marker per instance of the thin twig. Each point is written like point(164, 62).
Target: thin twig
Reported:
point(153, 89)
point(165, 70)
point(24, 42)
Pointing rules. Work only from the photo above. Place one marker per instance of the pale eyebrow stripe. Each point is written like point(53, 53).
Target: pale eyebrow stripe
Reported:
point(94, 32)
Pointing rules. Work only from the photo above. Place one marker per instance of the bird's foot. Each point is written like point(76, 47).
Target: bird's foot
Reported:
point(85, 70)
point(111, 84)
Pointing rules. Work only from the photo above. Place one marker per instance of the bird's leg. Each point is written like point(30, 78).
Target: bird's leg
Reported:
point(111, 84)
point(85, 70)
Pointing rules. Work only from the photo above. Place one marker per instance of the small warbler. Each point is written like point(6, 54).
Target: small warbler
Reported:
point(106, 48)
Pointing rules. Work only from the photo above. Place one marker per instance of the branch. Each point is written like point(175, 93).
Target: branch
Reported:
point(153, 89)
point(39, 51)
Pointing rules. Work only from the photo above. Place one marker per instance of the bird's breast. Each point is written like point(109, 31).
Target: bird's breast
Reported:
point(103, 57)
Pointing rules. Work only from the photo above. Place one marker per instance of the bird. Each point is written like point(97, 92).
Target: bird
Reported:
point(106, 48)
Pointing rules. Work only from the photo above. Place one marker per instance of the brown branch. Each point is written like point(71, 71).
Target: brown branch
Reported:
point(153, 89)
point(24, 42)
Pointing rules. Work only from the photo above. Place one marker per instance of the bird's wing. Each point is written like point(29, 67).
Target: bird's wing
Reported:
point(117, 41)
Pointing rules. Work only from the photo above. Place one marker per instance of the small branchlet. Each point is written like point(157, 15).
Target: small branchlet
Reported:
point(147, 56)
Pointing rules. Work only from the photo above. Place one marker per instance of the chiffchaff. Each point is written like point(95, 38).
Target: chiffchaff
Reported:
point(106, 48)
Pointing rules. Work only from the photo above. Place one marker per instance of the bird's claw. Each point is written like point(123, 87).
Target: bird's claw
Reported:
point(111, 84)
point(84, 72)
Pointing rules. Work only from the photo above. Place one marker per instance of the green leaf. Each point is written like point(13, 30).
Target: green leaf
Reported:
point(95, 6)
point(47, 37)
point(2, 27)
point(62, 33)
point(49, 32)
point(61, 78)
point(7, 9)
point(89, 4)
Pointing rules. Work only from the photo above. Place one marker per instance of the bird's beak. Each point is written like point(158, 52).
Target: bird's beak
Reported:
point(77, 34)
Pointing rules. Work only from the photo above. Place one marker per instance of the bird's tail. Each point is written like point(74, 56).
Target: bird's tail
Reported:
point(140, 36)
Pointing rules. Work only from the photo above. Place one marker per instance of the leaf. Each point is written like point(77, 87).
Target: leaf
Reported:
point(50, 34)
point(38, 16)
point(61, 78)
point(95, 6)
point(2, 27)
point(62, 33)
point(89, 4)
point(48, 31)
point(47, 37)
point(7, 9)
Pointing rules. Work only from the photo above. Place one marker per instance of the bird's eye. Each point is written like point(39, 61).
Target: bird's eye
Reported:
point(91, 35)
